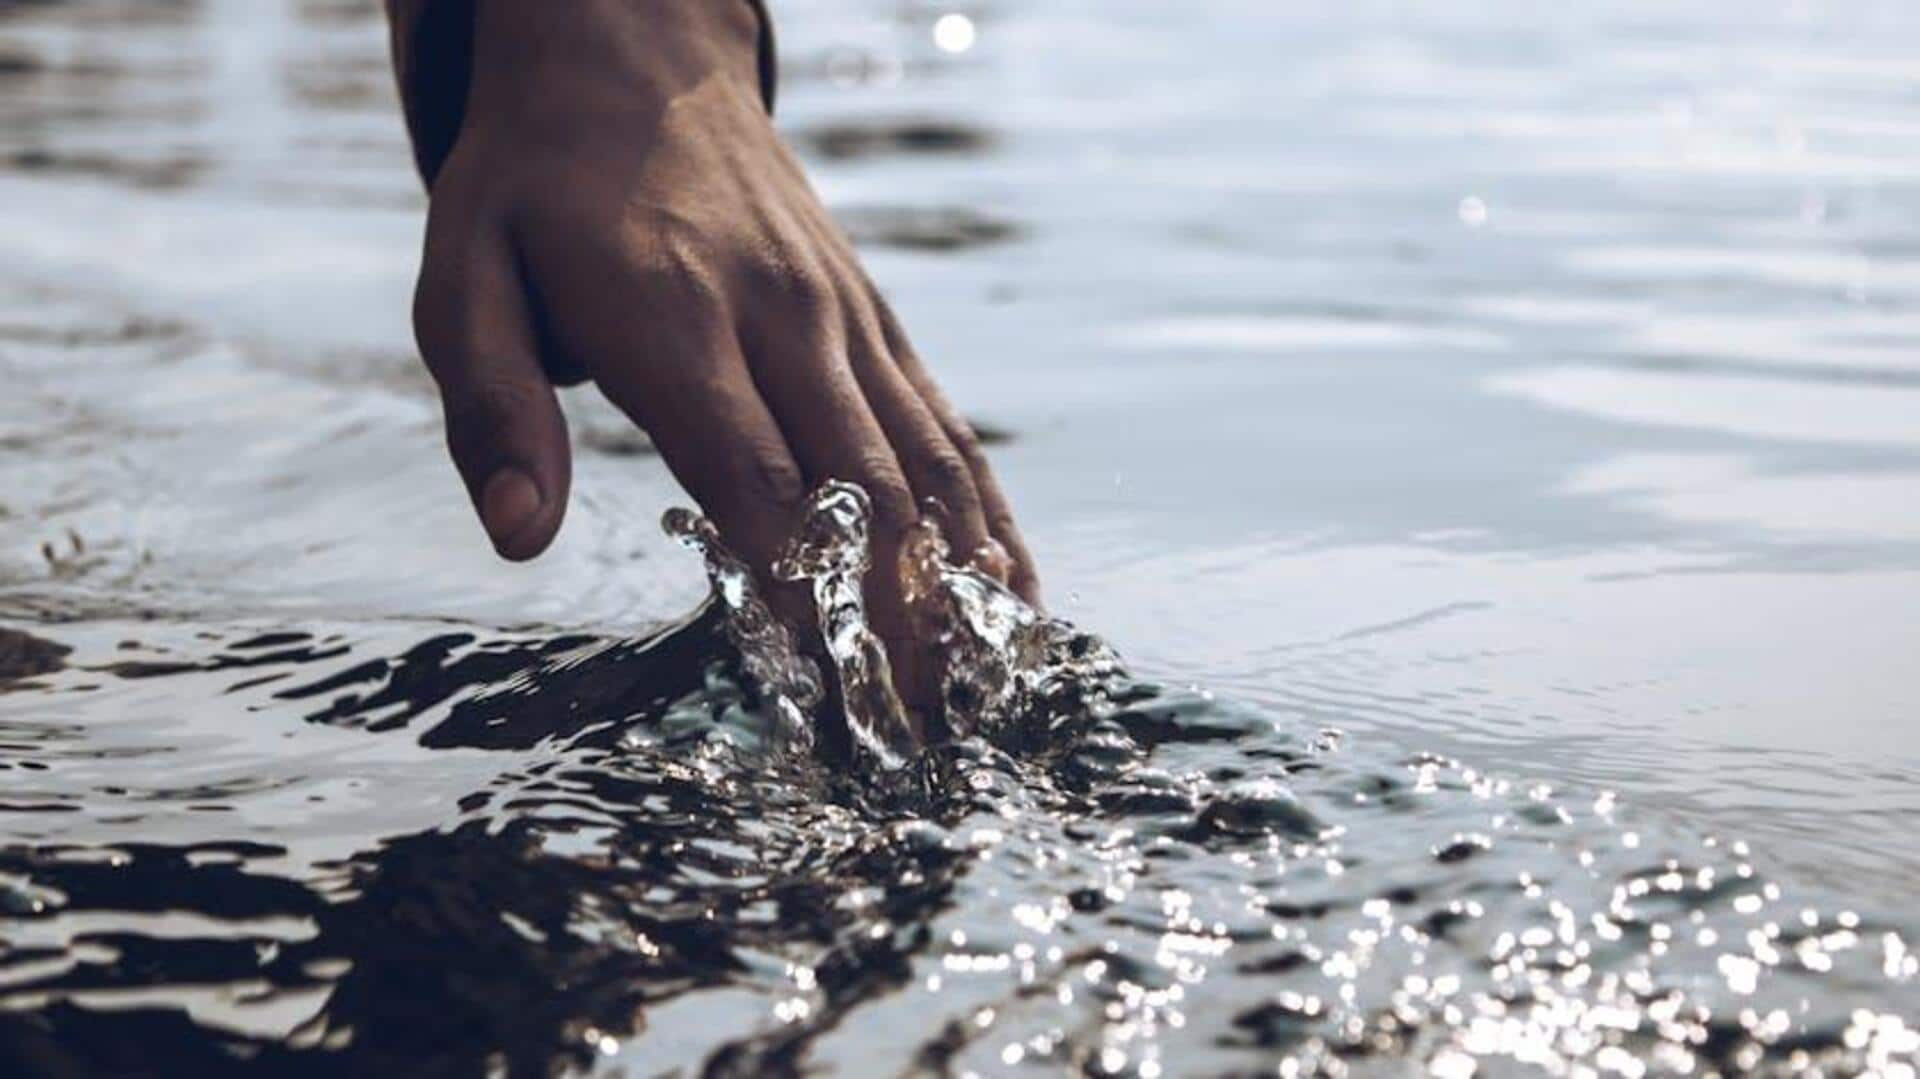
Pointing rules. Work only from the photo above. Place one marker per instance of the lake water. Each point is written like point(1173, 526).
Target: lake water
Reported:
point(1507, 416)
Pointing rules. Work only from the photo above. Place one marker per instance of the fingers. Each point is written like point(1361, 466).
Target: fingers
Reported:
point(721, 443)
point(980, 527)
point(797, 351)
point(932, 464)
point(996, 512)
point(662, 347)
point(505, 430)
point(797, 346)
point(760, 378)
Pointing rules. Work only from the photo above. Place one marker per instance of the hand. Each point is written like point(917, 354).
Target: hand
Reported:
point(618, 208)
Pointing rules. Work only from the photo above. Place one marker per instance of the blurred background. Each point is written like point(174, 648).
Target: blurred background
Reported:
point(1535, 382)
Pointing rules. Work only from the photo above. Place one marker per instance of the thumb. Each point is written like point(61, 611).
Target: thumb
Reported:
point(505, 430)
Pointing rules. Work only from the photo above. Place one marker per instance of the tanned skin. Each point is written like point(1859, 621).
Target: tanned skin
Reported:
point(616, 206)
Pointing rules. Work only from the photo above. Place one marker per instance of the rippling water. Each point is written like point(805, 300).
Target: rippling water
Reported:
point(1507, 415)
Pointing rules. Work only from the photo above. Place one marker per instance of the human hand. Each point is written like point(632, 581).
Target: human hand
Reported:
point(618, 208)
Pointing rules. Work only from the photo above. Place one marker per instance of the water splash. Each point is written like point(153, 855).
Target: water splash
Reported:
point(1000, 657)
point(788, 683)
point(830, 553)
point(1128, 880)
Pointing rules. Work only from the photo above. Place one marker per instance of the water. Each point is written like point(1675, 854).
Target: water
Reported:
point(829, 553)
point(1525, 395)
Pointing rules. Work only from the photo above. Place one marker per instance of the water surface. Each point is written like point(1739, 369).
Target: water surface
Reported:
point(1527, 395)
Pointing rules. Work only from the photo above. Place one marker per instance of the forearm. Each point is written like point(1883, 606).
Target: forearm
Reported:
point(441, 46)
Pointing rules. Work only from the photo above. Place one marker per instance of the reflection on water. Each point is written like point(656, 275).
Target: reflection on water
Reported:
point(1521, 392)
point(513, 850)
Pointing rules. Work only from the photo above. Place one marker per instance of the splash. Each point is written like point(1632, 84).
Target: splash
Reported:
point(1108, 878)
point(829, 552)
point(787, 682)
point(1001, 658)
point(1001, 661)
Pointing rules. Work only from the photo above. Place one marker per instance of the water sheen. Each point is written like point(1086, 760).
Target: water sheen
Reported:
point(642, 872)
point(1504, 411)
point(831, 553)
point(1112, 876)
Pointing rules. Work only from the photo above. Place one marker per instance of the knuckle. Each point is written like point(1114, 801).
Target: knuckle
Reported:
point(668, 252)
point(674, 240)
point(789, 281)
point(667, 238)
point(699, 382)
point(946, 471)
point(491, 403)
point(958, 431)
point(769, 475)
point(690, 283)
point(967, 444)
point(874, 466)
point(482, 417)
point(877, 473)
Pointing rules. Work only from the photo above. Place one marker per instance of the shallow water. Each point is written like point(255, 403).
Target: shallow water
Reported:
point(1528, 396)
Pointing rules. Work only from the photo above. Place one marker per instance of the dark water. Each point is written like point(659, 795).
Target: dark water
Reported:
point(1530, 389)
point(524, 851)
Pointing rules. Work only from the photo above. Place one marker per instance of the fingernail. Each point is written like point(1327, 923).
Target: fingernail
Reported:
point(508, 504)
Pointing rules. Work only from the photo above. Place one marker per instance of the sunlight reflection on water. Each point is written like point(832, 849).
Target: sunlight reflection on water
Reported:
point(1525, 392)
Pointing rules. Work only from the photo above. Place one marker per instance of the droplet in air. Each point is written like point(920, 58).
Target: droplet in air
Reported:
point(1473, 211)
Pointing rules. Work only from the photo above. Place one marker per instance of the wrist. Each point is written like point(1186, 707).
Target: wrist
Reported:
point(544, 63)
point(584, 63)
